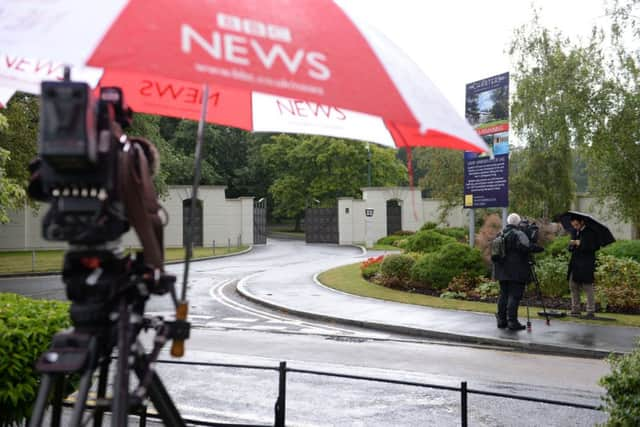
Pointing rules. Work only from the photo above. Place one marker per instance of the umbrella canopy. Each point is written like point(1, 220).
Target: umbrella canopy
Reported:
point(274, 65)
point(602, 231)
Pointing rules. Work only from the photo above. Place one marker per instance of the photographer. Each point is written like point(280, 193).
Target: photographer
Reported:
point(513, 272)
point(582, 265)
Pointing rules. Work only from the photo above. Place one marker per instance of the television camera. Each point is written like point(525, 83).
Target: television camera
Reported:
point(98, 182)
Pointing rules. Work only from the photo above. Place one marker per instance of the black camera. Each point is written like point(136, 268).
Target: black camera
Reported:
point(77, 168)
point(530, 229)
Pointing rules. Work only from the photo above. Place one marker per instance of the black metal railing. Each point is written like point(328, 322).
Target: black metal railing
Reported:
point(283, 370)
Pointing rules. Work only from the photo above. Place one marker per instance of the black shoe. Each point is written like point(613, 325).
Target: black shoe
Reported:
point(516, 326)
point(501, 323)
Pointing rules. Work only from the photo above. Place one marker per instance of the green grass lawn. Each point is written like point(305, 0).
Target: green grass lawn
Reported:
point(15, 262)
point(348, 279)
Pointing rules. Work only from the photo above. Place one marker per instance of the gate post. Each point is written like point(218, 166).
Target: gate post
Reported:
point(282, 392)
point(463, 403)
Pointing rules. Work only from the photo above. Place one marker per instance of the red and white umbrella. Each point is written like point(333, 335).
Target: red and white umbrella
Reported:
point(303, 66)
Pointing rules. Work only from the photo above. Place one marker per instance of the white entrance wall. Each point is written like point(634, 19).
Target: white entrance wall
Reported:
point(355, 228)
point(224, 220)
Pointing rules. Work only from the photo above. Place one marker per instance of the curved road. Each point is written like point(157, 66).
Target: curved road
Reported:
point(229, 329)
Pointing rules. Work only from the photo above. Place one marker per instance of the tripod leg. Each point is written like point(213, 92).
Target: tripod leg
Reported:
point(81, 399)
point(120, 405)
point(159, 395)
point(102, 391)
point(41, 401)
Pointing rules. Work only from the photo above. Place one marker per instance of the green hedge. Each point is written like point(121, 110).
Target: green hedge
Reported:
point(390, 240)
point(552, 274)
point(435, 270)
point(26, 329)
point(622, 400)
point(458, 233)
point(623, 249)
point(618, 284)
point(427, 241)
point(557, 247)
point(396, 269)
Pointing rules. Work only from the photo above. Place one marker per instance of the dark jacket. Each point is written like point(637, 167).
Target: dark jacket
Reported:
point(516, 266)
point(583, 258)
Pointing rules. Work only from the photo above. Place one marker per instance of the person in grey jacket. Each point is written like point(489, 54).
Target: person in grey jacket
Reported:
point(513, 273)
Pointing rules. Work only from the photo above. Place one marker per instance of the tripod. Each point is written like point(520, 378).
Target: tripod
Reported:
point(108, 297)
point(534, 278)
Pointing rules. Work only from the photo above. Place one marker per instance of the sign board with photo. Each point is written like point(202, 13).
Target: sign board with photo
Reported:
point(487, 110)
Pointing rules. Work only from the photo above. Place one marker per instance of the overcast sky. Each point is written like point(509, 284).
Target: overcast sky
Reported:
point(457, 42)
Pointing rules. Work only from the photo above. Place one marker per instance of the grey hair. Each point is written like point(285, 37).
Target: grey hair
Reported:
point(513, 219)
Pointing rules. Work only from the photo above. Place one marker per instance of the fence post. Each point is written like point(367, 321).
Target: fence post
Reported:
point(463, 405)
point(228, 244)
point(214, 247)
point(33, 260)
point(282, 393)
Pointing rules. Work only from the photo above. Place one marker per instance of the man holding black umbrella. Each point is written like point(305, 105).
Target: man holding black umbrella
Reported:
point(583, 247)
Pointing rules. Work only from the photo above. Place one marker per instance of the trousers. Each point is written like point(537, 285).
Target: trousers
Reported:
point(575, 296)
point(509, 300)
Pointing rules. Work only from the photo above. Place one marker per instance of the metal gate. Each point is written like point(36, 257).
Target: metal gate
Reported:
point(321, 225)
point(260, 222)
point(197, 221)
point(394, 217)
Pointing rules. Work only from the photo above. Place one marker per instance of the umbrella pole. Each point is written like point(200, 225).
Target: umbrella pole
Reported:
point(177, 348)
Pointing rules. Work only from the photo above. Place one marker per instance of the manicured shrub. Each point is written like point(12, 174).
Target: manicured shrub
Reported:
point(488, 289)
point(404, 233)
point(623, 249)
point(396, 269)
point(458, 233)
point(370, 267)
point(557, 248)
point(618, 284)
point(435, 270)
point(390, 240)
point(427, 241)
point(463, 283)
point(26, 329)
point(453, 295)
point(428, 226)
point(622, 399)
point(552, 274)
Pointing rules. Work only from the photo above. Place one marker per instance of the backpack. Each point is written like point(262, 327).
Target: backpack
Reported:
point(498, 247)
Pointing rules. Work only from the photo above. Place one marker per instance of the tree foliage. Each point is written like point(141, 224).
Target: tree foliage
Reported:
point(578, 98)
point(613, 157)
point(20, 136)
point(12, 194)
point(443, 176)
point(552, 111)
point(309, 168)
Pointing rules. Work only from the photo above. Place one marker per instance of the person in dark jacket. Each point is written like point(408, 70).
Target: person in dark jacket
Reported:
point(582, 265)
point(513, 273)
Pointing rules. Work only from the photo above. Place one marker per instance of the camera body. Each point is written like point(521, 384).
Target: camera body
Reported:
point(77, 168)
point(530, 229)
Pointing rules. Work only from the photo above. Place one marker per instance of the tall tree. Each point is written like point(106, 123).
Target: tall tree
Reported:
point(12, 194)
point(444, 176)
point(613, 157)
point(21, 135)
point(308, 168)
point(552, 110)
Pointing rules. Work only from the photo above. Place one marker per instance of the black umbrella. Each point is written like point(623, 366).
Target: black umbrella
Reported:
point(602, 231)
